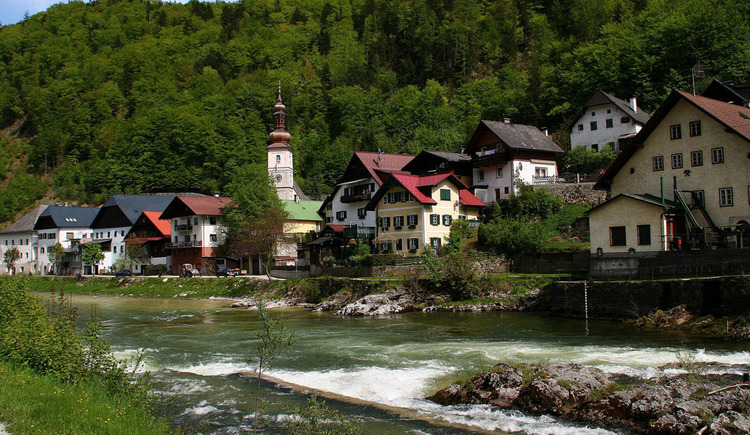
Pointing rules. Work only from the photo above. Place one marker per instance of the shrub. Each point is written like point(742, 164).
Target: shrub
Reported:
point(382, 259)
point(535, 203)
point(460, 276)
point(514, 236)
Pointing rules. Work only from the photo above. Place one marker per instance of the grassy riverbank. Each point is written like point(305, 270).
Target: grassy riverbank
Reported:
point(32, 404)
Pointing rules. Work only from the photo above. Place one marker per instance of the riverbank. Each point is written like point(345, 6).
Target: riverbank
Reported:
point(687, 397)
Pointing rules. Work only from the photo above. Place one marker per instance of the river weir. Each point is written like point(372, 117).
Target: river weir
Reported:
point(375, 370)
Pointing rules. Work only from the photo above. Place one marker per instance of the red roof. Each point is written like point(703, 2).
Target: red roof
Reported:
point(163, 225)
point(142, 240)
point(731, 115)
point(382, 163)
point(336, 228)
point(412, 183)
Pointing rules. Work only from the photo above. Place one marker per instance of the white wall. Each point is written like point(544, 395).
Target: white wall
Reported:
point(352, 218)
point(602, 135)
point(27, 245)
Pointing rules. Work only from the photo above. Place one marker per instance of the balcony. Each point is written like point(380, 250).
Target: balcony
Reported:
point(184, 227)
point(176, 245)
point(355, 197)
point(357, 232)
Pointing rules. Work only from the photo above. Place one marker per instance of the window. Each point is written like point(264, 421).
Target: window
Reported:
point(644, 234)
point(609, 123)
point(658, 163)
point(726, 198)
point(717, 155)
point(114, 249)
point(53, 236)
point(69, 236)
point(695, 128)
point(499, 172)
point(540, 172)
point(593, 113)
point(392, 199)
point(176, 240)
point(42, 249)
point(699, 198)
point(445, 194)
point(108, 235)
point(676, 161)
point(595, 146)
point(340, 215)
point(435, 242)
point(278, 159)
point(329, 206)
point(385, 222)
point(412, 243)
point(329, 219)
point(447, 219)
point(675, 132)
point(386, 246)
point(609, 110)
point(624, 120)
point(617, 236)
point(480, 175)
point(385, 199)
point(399, 244)
point(434, 220)
point(412, 220)
point(195, 221)
point(580, 127)
point(361, 213)
point(593, 125)
point(696, 158)
point(212, 220)
point(404, 196)
point(398, 222)
point(212, 237)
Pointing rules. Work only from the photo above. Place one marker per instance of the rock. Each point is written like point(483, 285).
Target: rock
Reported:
point(561, 388)
point(391, 302)
point(335, 302)
point(447, 396)
point(729, 423)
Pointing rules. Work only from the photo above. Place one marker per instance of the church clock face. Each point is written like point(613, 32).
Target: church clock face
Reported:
point(278, 178)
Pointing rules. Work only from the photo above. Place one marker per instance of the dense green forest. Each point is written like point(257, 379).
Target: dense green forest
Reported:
point(130, 96)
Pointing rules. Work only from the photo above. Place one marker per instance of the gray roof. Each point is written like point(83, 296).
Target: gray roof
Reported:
point(601, 97)
point(449, 156)
point(73, 217)
point(133, 205)
point(26, 223)
point(522, 137)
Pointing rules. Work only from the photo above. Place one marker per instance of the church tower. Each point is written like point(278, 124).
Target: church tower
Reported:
point(280, 164)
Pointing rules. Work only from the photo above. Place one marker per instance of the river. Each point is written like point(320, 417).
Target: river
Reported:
point(377, 370)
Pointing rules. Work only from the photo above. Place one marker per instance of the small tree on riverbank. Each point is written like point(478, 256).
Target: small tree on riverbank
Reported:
point(92, 254)
point(56, 253)
point(10, 257)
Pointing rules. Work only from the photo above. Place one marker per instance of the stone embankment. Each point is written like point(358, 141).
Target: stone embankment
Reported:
point(685, 403)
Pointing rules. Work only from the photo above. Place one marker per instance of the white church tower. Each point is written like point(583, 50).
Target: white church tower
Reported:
point(280, 163)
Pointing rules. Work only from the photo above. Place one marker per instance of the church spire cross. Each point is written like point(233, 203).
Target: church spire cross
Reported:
point(279, 135)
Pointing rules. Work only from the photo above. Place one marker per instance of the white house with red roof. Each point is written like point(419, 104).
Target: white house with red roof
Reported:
point(196, 232)
point(364, 175)
point(153, 236)
point(416, 210)
point(683, 183)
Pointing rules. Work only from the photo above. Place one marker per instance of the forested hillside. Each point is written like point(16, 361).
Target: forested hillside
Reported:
point(131, 96)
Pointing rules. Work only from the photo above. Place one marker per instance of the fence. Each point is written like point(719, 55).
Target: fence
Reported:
point(564, 179)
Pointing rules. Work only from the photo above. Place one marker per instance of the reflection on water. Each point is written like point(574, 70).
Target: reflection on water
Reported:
point(378, 368)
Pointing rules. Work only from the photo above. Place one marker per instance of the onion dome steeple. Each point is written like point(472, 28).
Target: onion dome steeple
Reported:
point(279, 137)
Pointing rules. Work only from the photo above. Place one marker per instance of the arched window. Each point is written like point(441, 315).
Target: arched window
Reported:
point(278, 159)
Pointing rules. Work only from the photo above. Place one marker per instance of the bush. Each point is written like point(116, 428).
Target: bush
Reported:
point(460, 276)
point(382, 259)
point(565, 218)
point(535, 203)
point(509, 237)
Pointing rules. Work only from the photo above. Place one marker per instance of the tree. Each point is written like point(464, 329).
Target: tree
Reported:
point(92, 254)
point(514, 236)
point(255, 217)
point(10, 257)
point(56, 253)
point(460, 230)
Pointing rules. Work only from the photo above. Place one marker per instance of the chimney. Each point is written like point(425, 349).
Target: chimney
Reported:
point(506, 120)
point(634, 104)
point(545, 131)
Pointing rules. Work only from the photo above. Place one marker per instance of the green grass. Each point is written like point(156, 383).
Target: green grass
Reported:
point(32, 404)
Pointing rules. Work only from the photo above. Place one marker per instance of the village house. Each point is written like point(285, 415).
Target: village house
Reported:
point(197, 232)
point(68, 226)
point(414, 211)
point(152, 236)
point(728, 92)
point(429, 162)
point(303, 220)
point(683, 184)
point(606, 120)
point(504, 154)
point(115, 219)
point(22, 236)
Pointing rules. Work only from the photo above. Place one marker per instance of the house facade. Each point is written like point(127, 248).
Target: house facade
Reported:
point(504, 154)
point(68, 226)
point(196, 232)
point(365, 173)
point(415, 211)
point(22, 236)
point(690, 162)
point(604, 121)
point(153, 236)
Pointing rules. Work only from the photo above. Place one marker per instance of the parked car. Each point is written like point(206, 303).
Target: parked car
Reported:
point(123, 273)
point(187, 270)
point(225, 271)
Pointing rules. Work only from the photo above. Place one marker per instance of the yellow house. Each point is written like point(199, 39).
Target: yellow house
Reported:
point(686, 175)
point(413, 211)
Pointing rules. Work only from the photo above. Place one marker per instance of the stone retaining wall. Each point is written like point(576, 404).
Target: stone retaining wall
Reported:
point(581, 194)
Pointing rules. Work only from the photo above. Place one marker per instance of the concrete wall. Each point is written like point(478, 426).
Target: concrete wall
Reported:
point(672, 264)
point(708, 296)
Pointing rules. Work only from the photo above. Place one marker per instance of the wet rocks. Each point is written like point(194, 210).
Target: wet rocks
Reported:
point(678, 404)
point(391, 302)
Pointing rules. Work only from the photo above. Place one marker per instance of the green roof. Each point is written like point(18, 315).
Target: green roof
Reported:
point(303, 210)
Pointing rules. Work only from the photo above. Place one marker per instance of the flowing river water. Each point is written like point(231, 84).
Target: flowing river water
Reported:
point(374, 370)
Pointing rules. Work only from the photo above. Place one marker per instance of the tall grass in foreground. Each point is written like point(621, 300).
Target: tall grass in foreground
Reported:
point(43, 342)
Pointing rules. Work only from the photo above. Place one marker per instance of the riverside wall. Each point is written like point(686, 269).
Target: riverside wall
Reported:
point(720, 296)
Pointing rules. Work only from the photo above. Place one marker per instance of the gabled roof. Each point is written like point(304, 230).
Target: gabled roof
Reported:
point(26, 223)
point(428, 161)
point(735, 119)
point(55, 216)
point(131, 206)
point(647, 198)
point(163, 225)
point(377, 165)
point(302, 210)
point(516, 136)
point(416, 184)
point(601, 97)
point(195, 206)
point(728, 92)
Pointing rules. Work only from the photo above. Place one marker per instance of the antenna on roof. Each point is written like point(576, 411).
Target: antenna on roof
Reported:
point(379, 154)
point(697, 72)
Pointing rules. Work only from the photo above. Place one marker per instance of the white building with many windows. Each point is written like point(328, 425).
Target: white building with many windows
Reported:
point(22, 236)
